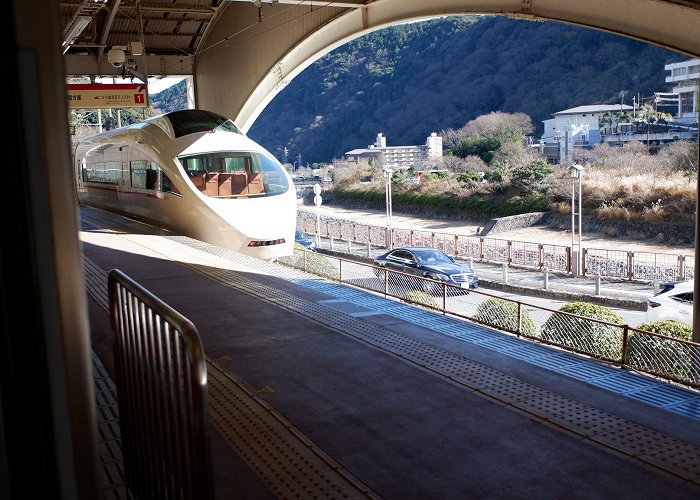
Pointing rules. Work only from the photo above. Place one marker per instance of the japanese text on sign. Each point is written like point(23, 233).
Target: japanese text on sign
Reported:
point(120, 95)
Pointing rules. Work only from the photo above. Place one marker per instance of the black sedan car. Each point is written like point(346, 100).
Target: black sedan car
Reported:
point(426, 262)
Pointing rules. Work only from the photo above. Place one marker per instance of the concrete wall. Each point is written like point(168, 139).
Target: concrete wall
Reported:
point(663, 232)
point(503, 224)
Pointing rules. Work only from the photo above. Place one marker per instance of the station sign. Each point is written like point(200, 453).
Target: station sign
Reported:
point(116, 95)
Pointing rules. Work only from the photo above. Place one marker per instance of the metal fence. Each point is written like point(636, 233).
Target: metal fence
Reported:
point(620, 264)
point(161, 379)
point(663, 356)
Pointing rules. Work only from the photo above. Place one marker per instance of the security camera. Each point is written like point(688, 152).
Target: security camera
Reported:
point(116, 57)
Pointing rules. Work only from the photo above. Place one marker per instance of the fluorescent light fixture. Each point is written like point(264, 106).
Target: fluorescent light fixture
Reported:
point(73, 30)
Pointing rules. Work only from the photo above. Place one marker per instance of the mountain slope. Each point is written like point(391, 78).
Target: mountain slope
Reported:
point(412, 79)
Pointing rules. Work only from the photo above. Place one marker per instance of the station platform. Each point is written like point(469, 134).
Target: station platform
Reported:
point(320, 390)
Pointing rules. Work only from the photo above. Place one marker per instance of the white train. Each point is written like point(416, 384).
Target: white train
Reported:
point(195, 173)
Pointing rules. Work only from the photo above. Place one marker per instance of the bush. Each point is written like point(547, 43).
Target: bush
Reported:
point(468, 177)
point(529, 176)
point(422, 298)
point(660, 355)
point(592, 337)
point(503, 314)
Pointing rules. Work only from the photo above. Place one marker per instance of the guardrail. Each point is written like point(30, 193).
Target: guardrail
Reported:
point(629, 265)
point(666, 357)
point(161, 379)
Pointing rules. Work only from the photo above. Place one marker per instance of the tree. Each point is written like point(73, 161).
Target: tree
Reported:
point(506, 127)
point(484, 148)
point(649, 115)
point(530, 176)
point(496, 126)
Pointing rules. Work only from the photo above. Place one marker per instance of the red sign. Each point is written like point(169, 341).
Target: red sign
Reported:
point(116, 95)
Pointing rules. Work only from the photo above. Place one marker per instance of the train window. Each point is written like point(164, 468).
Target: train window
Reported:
point(236, 164)
point(138, 174)
point(264, 175)
point(148, 175)
point(152, 175)
point(193, 165)
point(167, 185)
point(106, 172)
point(191, 121)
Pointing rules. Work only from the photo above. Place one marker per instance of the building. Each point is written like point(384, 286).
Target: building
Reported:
point(617, 124)
point(578, 127)
point(400, 157)
point(685, 76)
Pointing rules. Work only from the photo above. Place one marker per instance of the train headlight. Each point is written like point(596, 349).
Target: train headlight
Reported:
point(265, 243)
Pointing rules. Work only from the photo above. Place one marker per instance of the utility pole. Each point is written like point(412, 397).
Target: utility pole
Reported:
point(286, 152)
point(299, 160)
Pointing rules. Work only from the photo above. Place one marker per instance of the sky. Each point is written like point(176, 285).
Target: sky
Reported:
point(156, 85)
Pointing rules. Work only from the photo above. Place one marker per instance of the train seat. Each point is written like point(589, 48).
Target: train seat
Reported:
point(212, 187)
point(224, 184)
point(239, 183)
point(255, 183)
point(199, 180)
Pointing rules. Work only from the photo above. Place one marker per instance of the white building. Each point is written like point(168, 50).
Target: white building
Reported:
point(685, 76)
point(400, 157)
point(575, 127)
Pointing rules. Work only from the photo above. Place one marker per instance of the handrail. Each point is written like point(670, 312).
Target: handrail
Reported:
point(161, 379)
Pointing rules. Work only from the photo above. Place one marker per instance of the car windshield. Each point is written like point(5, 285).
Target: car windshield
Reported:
point(432, 257)
point(299, 235)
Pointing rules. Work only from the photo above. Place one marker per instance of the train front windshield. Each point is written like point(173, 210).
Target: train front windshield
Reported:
point(235, 173)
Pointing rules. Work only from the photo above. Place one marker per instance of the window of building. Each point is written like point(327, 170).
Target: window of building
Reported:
point(678, 71)
point(687, 102)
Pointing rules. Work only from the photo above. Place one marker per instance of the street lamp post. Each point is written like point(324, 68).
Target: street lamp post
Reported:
point(576, 172)
point(387, 184)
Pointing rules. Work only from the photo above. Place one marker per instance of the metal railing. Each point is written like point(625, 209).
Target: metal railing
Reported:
point(161, 379)
point(666, 357)
point(620, 264)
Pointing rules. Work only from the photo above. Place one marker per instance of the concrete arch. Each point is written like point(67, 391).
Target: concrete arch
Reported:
point(246, 61)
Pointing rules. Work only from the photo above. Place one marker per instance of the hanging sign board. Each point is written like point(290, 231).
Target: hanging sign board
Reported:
point(117, 95)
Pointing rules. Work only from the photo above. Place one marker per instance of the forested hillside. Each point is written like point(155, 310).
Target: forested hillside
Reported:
point(170, 99)
point(412, 79)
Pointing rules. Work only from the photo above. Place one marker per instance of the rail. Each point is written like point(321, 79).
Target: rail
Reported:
point(666, 357)
point(628, 265)
point(161, 379)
